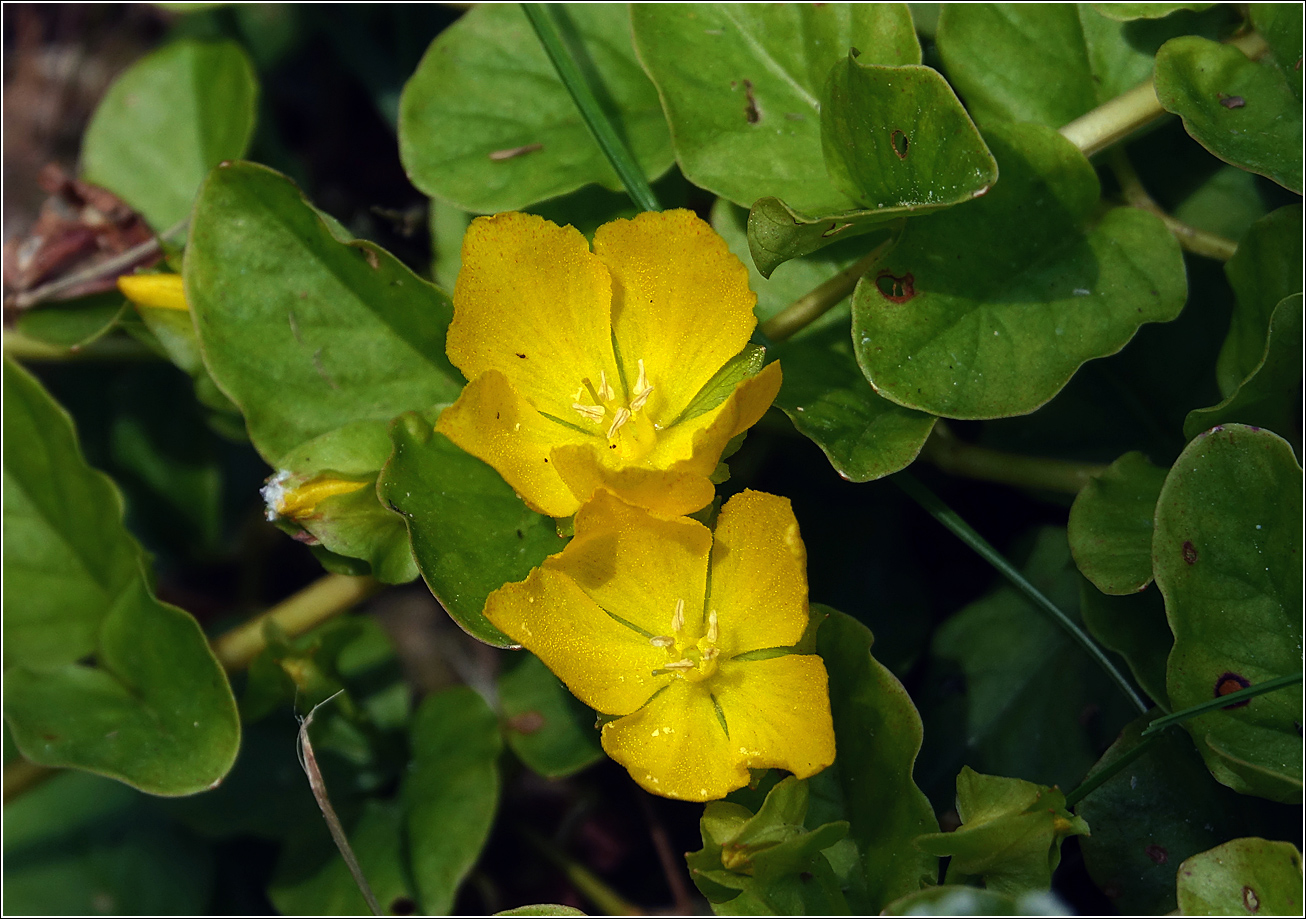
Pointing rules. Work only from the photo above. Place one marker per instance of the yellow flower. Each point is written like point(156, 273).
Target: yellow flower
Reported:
point(161, 291)
point(661, 622)
point(296, 497)
point(584, 366)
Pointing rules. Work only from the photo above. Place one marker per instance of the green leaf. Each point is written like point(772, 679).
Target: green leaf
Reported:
point(541, 909)
point(304, 332)
point(1134, 627)
point(878, 733)
point(486, 125)
point(1265, 269)
point(1123, 12)
point(1243, 877)
point(1038, 707)
point(1159, 810)
point(1280, 24)
point(1110, 528)
point(151, 706)
point(998, 329)
point(470, 533)
point(1227, 555)
point(828, 400)
point(1049, 63)
point(73, 324)
point(1270, 395)
point(1010, 834)
point(1245, 112)
point(83, 845)
point(741, 86)
point(1227, 203)
point(451, 792)
point(964, 900)
point(166, 122)
point(543, 723)
point(377, 841)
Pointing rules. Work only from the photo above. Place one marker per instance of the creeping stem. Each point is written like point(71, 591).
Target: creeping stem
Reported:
point(957, 457)
point(631, 175)
point(1196, 241)
point(811, 306)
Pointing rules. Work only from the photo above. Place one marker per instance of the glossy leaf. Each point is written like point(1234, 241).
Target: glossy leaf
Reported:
point(541, 909)
point(1227, 556)
point(1159, 810)
point(73, 324)
point(1010, 834)
point(778, 232)
point(1128, 11)
point(1245, 112)
point(151, 707)
point(997, 329)
point(486, 125)
point(1243, 877)
point(741, 86)
point(964, 900)
point(1110, 527)
point(878, 733)
point(1227, 203)
point(1270, 395)
point(470, 533)
point(1038, 707)
point(1280, 24)
point(166, 122)
point(1133, 626)
point(451, 792)
point(826, 397)
point(543, 723)
point(1265, 269)
point(304, 332)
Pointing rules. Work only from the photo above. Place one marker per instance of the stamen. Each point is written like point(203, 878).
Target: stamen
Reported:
point(662, 641)
point(711, 653)
point(685, 664)
point(712, 631)
point(605, 391)
point(592, 412)
point(642, 389)
point(589, 387)
point(623, 415)
point(678, 619)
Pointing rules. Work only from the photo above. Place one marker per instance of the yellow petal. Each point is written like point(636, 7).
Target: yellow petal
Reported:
point(680, 303)
point(696, 445)
point(495, 424)
point(666, 493)
point(675, 747)
point(778, 712)
point(162, 291)
point(607, 665)
point(636, 566)
point(300, 501)
point(533, 303)
point(759, 574)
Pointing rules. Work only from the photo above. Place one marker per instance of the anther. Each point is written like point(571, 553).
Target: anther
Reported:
point(605, 391)
point(662, 641)
point(711, 653)
point(642, 389)
point(712, 631)
point(592, 412)
point(623, 415)
point(678, 619)
point(685, 664)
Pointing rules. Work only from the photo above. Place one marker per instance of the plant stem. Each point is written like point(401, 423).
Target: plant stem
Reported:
point(326, 597)
point(1196, 241)
point(628, 170)
point(1109, 771)
point(957, 457)
point(22, 347)
point(811, 306)
point(1278, 682)
point(963, 531)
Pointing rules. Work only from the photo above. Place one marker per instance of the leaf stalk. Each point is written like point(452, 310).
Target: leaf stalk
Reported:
point(957, 457)
point(821, 299)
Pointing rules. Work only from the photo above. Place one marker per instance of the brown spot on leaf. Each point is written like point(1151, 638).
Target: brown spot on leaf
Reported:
point(751, 111)
point(896, 289)
point(1190, 552)
point(498, 156)
point(372, 260)
point(526, 722)
point(1157, 854)
point(1231, 682)
point(1231, 102)
point(899, 141)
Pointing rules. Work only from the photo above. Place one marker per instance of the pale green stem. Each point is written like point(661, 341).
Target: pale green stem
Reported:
point(956, 457)
point(811, 306)
point(1196, 241)
point(22, 347)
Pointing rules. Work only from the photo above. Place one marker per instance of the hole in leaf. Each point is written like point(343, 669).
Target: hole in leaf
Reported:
point(1250, 900)
point(896, 289)
point(1231, 682)
point(899, 141)
point(402, 906)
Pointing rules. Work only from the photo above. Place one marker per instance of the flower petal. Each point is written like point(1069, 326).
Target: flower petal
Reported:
point(675, 747)
point(680, 303)
point(665, 493)
point(778, 712)
point(759, 574)
point(605, 664)
point(696, 445)
point(534, 303)
point(496, 425)
point(636, 566)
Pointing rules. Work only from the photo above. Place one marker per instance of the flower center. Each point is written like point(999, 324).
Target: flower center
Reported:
point(691, 658)
point(630, 433)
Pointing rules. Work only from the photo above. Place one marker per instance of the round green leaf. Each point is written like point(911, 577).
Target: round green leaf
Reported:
point(1134, 627)
point(1245, 112)
point(964, 900)
point(1280, 24)
point(741, 86)
point(166, 122)
point(304, 332)
point(1266, 268)
point(1243, 877)
point(878, 732)
point(541, 909)
point(451, 792)
point(997, 329)
point(73, 324)
point(544, 724)
point(470, 533)
point(486, 125)
point(1110, 528)
point(1124, 12)
point(1269, 397)
point(1227, 555)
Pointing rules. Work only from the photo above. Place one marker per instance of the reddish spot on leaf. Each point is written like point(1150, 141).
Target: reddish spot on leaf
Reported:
point(1190, 552)
point(1231, 102)
point(899, 141)
point(526, 722)
point(896, 289)
point(1231, 682)
point(1157, 854)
